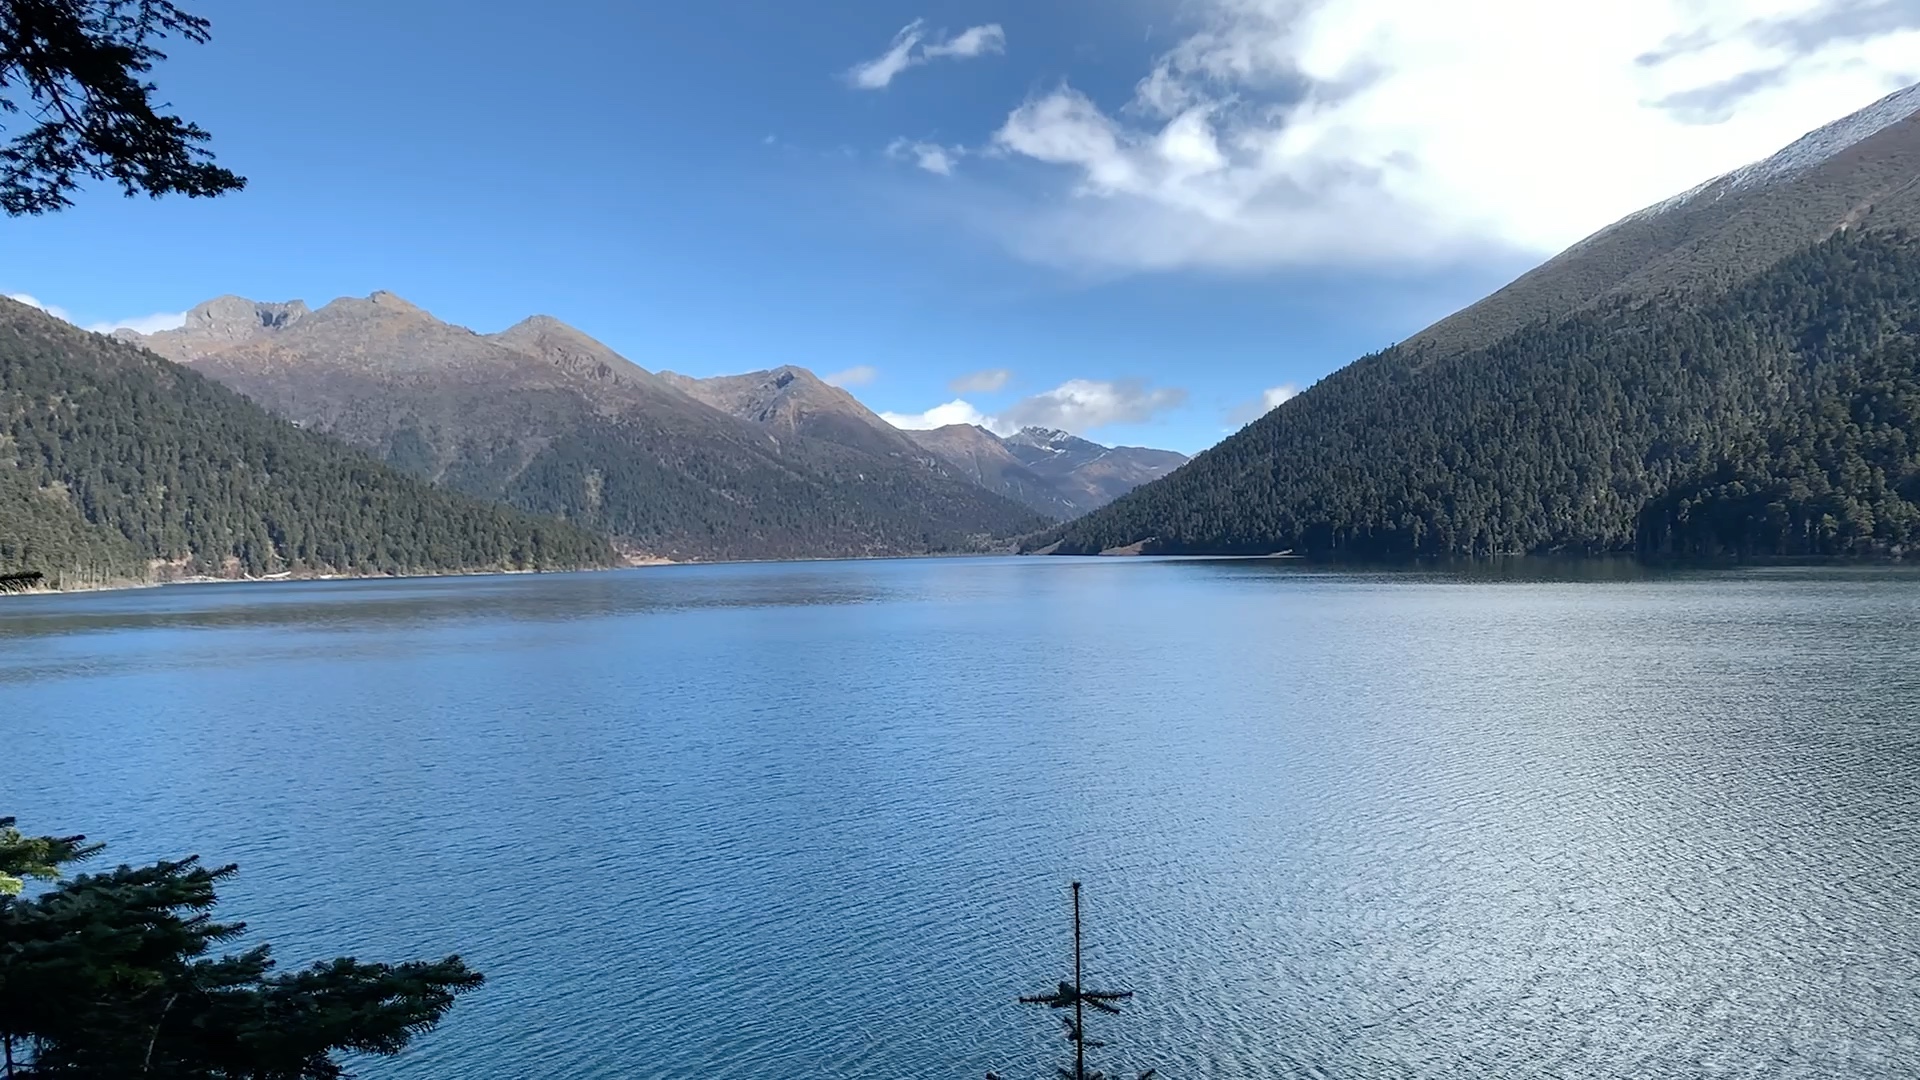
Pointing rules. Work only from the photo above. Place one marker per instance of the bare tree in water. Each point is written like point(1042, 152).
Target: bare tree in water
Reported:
point(1076, 996)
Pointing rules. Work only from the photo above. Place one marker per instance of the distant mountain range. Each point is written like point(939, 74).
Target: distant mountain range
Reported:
point(1735, 370)
point(117, 466)
point(1052, 472)
point(1058, 474)
point(543, 417)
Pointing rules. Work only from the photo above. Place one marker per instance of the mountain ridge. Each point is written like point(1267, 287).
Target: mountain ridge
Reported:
point(1721, 231)
point(793, 400)
point(544, 417)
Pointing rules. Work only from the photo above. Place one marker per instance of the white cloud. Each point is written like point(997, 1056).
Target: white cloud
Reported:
point(1083, 405)
point(971, 42)
point(876, 73)
point(51, 309)
point(1269, 399)
point(932, 157)
point(853, 376)
point(1320, 131)
point(906, 50)
point(145, 324)
point(981, 382)
point(1077, 405)
point(953, 412)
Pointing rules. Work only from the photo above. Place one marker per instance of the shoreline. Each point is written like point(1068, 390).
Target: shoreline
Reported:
point(628, 563)
point(268, 579)
point(1428, 562)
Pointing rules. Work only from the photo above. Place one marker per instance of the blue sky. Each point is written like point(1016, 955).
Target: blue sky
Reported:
point(1151, 215)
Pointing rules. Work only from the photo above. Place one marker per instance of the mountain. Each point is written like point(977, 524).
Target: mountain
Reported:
point(116, 465)
point(1057, 474)
point(547, 419)
point(1089, 474)
point(1731, 371)
point(1051, 472)
point(982, 457)
point(1858, 172)
point(792, 401)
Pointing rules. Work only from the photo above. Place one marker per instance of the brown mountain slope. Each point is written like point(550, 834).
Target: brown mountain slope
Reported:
point(1053, 473)
point(1089, 474)
point(544, 417)
point(1862, 171)
point(791, 401)
point(980, 456)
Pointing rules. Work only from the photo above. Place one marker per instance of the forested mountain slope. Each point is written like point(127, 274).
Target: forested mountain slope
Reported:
point(1775, 417)
point(112, 459)
point(547, 419)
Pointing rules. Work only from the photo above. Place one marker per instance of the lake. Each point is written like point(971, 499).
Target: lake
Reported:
point(818, 820)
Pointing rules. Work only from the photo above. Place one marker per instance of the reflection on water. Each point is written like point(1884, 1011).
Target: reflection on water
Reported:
point(1497, 820)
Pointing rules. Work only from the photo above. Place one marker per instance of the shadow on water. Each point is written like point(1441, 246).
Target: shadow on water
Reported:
point(1548, 569)
point(360, 604)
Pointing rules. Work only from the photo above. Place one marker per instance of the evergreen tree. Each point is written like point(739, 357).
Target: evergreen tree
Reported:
point(76, 71)
point(113, 975)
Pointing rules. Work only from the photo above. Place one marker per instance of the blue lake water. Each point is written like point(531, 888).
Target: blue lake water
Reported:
point(818, 820)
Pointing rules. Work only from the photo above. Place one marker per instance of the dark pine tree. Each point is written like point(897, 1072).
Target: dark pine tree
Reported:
point(75, 71)
point(113, 975)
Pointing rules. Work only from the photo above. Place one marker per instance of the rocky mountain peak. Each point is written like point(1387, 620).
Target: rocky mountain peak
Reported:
point(381, 298)
point(236, 318)
point(377, 304)
point(569, 348)
point(538, 324)
point(1044, 438)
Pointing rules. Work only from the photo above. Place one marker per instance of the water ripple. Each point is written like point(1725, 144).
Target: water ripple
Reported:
point(817, 821)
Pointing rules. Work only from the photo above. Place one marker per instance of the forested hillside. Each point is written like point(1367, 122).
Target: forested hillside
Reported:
point(1772, 418)
point(112, 458)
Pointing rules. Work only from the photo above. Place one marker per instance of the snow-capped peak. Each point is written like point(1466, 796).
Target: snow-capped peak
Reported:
point(1803, 153)
point(1041, 438)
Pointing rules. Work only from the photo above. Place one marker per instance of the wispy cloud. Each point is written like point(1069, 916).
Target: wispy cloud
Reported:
point(981, 382)
point(145, 324)
point(1364, 131)
point(853, 376)
point(34, 302)
point(877, 73)
point(932, 157)
point(971, 42)
point(912, 47)
point(1082, 405)
point(1269, 399)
